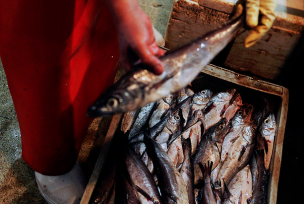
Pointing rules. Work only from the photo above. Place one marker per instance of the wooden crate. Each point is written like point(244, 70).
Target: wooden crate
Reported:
point(249, 69)
point(212, 77)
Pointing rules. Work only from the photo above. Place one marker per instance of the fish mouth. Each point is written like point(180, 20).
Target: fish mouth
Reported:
point(93, 112)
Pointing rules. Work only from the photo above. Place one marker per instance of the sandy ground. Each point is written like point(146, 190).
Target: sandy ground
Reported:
point(17, 182)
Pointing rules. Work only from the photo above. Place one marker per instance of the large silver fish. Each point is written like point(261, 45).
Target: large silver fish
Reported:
point(140, 86)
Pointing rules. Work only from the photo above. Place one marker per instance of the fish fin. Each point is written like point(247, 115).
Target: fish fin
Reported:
point(265, 145)
point(226, 191)
point(208, 107)
point(242, 152)
point(249, 200)
point(224, 110)
point(145, 194)
point(240, 198)
point(169, 195)
point(217, 189)
point(206, 170)
point(143, 154)
point(173, 137)
point(166, 78)
point(135, 143)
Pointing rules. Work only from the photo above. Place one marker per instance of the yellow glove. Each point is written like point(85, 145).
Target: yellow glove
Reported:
point(255, 9)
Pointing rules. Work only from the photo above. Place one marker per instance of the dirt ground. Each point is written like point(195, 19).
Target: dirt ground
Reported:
point(17, 182)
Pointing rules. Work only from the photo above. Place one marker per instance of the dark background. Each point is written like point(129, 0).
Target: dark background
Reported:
point(291, 176)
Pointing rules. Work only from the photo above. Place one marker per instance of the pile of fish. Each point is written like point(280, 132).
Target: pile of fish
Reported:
point(196, 148)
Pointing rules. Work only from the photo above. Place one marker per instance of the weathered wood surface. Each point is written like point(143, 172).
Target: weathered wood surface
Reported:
point(190, 20)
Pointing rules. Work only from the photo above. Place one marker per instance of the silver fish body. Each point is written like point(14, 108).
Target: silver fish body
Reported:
point(141, 178)
point(161, 107)
point(216, 107)
point(172, 186)
point(240, 187)
point(139, 86)
point(141, 119)
point(208, 150)
point(187, 170)
point(200, 100)
point(267, 132)
point(238, 156)
point(128, 120)
point(259, 178)
point(207, 194)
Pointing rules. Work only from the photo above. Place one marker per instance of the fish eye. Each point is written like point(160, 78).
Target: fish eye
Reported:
point(239, 112)
point(177, 117)
point(112, 103)
point(266, 120)
point(203, 92)
point(221, 126)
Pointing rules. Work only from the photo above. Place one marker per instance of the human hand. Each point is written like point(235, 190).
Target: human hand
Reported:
point(137, 42)
point(259, 17)
point(136, 37)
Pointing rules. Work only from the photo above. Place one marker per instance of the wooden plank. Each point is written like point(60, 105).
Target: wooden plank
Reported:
point(267, 56)
point(189, 20)
point(101, 159)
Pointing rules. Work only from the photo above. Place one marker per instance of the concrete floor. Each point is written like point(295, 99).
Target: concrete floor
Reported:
point(17, 182)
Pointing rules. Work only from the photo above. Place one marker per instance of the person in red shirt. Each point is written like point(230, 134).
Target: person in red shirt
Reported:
point(59, 56)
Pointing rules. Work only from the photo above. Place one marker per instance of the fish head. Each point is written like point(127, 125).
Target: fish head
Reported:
point(268, 126)
point(181, 95)
point(117, 100)
point(226, 96)
point(243, 115)
point(249, 133)
point(222, 97)
point(199, 114)
point(169, 99)
point(237, 99)
point(174, 122)
point(202, 97)
point(189, 91)
point(220, 130)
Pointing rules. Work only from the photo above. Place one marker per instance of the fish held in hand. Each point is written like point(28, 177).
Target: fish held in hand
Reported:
point(140, 86)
